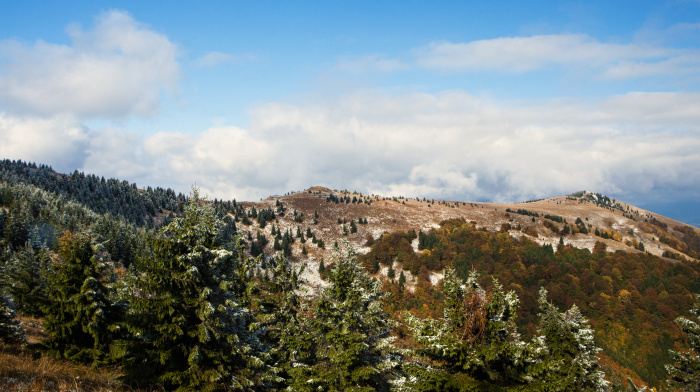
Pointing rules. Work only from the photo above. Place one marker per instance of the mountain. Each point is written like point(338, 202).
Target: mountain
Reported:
point(620, 226)
point(630, 271)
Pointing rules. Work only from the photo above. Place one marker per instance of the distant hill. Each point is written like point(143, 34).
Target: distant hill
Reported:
point(575, 219)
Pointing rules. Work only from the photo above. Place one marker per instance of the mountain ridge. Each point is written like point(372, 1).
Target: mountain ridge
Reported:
point(402, 213)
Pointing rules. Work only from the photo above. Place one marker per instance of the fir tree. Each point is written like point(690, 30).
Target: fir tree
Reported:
point(189, 318)
point(351, 348)
point(80, 319)
point(685, 371)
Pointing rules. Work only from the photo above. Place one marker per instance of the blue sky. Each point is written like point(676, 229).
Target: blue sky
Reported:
point(454, 100)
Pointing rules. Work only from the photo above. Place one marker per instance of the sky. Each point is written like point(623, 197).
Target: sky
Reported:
point(474, 101)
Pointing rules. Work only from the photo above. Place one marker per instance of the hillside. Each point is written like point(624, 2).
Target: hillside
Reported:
point(629, 271)
point(631, 297)
point(626, 225)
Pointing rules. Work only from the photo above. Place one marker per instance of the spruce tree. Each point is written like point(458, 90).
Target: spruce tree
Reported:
point(79, 318)
point(567, 352)
point(280, 316)
point(351, 348)
point(402, 280)
point(190, 320)
point(685, 371)
point(475, 345)
point(25, 279)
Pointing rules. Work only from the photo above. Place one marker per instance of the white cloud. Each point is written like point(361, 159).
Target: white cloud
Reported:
point(517, 55)
point(119, 68)
point(522, 54)
point(212, 59)
point(59, 140)
point(450, 145)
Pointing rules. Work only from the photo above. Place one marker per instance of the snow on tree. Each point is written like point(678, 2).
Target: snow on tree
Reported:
point(567, 351)
point(475, 345)
point(189, 313)
point(685, 370)
point(351, 348)
point(279, 309)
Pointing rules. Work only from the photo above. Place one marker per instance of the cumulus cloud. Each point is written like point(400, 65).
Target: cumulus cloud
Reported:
point(117, 69)
point(450, 145)
point(59, 140)
point(225, 162)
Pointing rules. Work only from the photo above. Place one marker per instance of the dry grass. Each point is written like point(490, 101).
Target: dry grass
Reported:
point(22, 369)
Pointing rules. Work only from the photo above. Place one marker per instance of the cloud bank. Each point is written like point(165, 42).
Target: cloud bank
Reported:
point(449, 145)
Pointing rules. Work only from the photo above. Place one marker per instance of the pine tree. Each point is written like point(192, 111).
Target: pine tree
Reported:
point(80, 319)
point(567, 352)
point(191, 325)
point(685, 371)
point(351, 348)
